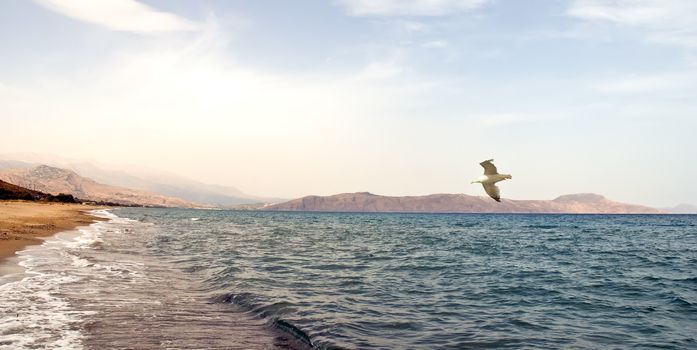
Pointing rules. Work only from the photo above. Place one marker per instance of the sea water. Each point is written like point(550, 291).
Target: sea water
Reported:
point(187, 279)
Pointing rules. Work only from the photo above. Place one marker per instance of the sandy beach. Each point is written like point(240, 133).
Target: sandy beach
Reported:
point(24, 223)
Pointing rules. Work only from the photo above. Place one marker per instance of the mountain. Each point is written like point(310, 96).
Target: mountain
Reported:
point(458, 203)
point(54, 180)
point(151, 181)
point(682, 209)
point(172, 185)
point(10, 191)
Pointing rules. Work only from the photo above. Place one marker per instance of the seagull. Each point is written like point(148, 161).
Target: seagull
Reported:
point(490, 178)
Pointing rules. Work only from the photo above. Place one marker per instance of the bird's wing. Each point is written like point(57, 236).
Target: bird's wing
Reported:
point(493, 192)
point(489, 167)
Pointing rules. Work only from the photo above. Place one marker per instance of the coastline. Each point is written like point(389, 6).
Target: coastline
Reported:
point(24, 223)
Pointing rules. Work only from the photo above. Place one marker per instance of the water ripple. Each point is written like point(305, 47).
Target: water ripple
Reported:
point(412, 281)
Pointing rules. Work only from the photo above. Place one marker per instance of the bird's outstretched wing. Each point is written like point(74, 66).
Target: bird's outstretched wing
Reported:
point(493, 192)
point(489, 168)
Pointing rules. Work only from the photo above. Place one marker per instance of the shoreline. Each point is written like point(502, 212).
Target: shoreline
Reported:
point(24, 223)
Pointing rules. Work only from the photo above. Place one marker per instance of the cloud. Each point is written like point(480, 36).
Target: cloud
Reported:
point(664, 21)
point(181, 79)
point(625, 12)
point(182, 103)
point(121, 15)
point(408, 7)
point(643, 84)
point(412, 26)
point(380, 71)
point(436, 44)
point(503, 119)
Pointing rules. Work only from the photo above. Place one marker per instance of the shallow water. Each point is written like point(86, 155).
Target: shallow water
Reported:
point(100, 287)
point(382, 281)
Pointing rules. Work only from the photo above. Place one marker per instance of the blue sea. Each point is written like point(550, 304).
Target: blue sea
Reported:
point(203, 279)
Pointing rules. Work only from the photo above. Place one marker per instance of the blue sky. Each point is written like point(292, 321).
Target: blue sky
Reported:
point(288, 98)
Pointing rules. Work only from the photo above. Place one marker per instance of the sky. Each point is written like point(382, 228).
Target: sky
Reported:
point(394, 97)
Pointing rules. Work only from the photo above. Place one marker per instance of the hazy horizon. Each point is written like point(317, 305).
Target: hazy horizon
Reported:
point(286, 99)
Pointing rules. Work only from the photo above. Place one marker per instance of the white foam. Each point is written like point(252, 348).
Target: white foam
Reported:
point(104, 213)
point(33, 313)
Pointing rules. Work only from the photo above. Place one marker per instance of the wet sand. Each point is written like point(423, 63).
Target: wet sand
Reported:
point(24, 223)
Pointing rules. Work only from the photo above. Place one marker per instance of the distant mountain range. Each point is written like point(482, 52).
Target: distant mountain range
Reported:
point(154, 182)
point(173, 185)
point(88, 182)
point(44, 178)
point(458, 203)
point(681, 209)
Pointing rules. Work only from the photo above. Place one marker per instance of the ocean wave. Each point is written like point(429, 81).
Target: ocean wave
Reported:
point(272, 313)
point(381, 282)
point(33, 311)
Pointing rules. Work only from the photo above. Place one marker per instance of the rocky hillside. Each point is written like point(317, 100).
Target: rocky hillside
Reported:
point(10, 191)
point(458, 203)
point(53, 180)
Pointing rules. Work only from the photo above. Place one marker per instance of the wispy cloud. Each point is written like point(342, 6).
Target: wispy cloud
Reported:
point(177, 80)
point(121, 15)
point(408, 7)
point(409, 26)
point(625, 12)
point(643, 84)
point(502, 119)
point(188, 88)
point(380, 71)
point(665, 21)
point(436, 44)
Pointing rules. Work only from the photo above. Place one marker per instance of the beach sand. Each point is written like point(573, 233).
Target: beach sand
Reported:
point(23, 223)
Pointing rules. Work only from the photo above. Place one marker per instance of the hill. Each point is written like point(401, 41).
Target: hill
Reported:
point(10, 191)
point(53, 180)
point(458, 203)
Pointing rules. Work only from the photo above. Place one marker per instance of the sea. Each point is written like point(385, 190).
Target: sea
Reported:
point(206, 279)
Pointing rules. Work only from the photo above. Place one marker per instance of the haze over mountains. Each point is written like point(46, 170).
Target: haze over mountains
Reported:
point(173, 185)
point(155, 182)
point(682, 209)
point(89, 182)
point(458, 203)
point(53, 180)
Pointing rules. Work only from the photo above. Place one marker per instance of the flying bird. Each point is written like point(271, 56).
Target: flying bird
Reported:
point(490, 178)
